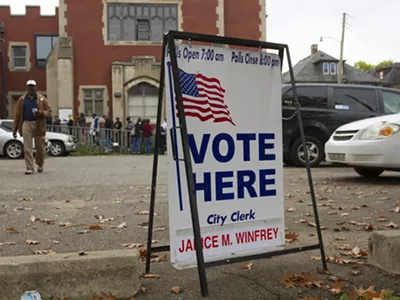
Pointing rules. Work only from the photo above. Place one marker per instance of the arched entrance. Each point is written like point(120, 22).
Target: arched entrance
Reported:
point(142, 101)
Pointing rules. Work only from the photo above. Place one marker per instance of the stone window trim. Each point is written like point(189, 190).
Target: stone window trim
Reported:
point(138, 43)
point(82, 104)
point(10, 57)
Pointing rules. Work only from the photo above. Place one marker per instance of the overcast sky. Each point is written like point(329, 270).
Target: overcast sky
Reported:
point(372, 35)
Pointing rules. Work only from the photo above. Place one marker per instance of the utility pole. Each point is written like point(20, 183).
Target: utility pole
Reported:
point(340, 73)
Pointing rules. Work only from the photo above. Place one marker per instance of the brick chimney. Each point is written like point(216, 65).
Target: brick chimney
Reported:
point(314, 49)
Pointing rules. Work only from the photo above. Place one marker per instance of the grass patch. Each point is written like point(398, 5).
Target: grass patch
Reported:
point(388, 296)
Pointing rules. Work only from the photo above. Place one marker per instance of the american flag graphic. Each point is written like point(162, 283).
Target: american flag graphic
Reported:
point(203, 98)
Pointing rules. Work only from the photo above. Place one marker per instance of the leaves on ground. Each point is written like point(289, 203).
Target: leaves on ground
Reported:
point(159, 229)
point(392, 225)
point(383, 219)
point(95, 227)
point(368, 294)
point(397, 208)
point(305, 280)
point(12, 230)
point(143, 253)
point(151, 276)
point(291, 209)
point(31, 242)
point(160, 258)
point(340, 261)
point(337, 288)
point(122, 225)
point(102, 219)
point(340, 238)
point(176, 290)
point(343, 228)
point(23, 208)
point(43, 252)
point(25, 199)
point(133, 245)
point(155, 241)
point(332, 213)
point(246, 265)
point(290, 237)
point(7, 244)
point(345, 247)
point(143, 213)
point(65, 224)
point(83, 231)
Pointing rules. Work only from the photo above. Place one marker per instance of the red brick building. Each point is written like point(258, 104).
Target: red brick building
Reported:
point(103, 56)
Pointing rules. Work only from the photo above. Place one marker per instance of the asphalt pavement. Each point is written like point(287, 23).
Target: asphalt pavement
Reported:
point(57, 207)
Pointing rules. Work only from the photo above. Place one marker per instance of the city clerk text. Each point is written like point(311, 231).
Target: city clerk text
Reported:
point(249, 183)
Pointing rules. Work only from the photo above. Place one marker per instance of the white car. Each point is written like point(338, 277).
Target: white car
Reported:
point(371, 145)
point(59, 144)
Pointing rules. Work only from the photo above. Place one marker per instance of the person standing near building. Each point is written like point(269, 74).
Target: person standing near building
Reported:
point(148, 136)
point(82, 126)
point(108, 126)
point(70, 124)
point(94, 128)
point(31, 112)
point(118, 127)
point(163, 137)
point(136, 133)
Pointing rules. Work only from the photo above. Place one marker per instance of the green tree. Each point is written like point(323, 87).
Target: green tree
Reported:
point(364, 66)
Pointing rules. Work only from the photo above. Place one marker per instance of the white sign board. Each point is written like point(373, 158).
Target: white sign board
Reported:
point(232, 101)
point(64, 113)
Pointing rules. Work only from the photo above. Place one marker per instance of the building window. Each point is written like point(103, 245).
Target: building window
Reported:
point(44, 46)
point(333, 68)
point(19, 57)
point(325, 68)
point(93, 100)
point(143, 102)
point(140, 22)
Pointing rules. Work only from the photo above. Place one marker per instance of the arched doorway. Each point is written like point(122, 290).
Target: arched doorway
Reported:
point(143, 101)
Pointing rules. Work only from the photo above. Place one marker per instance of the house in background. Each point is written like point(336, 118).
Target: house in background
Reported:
point(388, 75)
point(320, 67)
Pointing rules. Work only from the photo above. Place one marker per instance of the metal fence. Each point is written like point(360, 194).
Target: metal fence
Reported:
point(83, 136)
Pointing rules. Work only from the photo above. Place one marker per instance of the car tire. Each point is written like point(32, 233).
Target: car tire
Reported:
point(317, 152)
point(369, 173)
point(14, 150)
point(57, 149)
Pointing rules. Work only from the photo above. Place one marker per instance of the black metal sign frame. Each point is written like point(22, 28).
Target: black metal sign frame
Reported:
point(169, 43)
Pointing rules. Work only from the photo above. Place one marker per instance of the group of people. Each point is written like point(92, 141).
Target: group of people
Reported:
point(137, 133)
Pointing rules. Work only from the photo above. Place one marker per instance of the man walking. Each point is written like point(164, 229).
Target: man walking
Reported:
point(31, 112)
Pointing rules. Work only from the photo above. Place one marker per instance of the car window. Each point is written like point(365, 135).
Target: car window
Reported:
point(361, 100)
point(391, 102)
point(309, 96)
point(7, 125)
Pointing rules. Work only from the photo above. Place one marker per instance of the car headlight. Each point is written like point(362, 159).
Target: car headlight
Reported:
point(70, 140)
point(380, 131)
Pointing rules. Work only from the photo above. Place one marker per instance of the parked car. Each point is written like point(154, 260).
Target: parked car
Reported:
point(371, 146)
point(61, 144)
point(324, 108)
point(13, 148)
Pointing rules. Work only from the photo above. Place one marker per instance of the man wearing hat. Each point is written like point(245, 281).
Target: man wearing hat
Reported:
point(31, 112)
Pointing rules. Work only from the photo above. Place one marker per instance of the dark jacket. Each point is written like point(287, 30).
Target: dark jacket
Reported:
point(44, 111)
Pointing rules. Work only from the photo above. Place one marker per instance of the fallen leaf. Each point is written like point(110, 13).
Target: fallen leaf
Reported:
point(33, 219)
point(95, 227)
point(332, 213)
point(56, 242)
point(7, 244)
point(155, 241)
point(340, 223)
point(287, 281)
point(345, 247)
point(289, 196)
point(336, 278)
point(302, 221)
point(176, 290)
point(337, 288)
point(106, 220)
point(83, 231)
point(47, 221)
point(355, 208)
point(343, 228)
point(384, 198)
point(159, 229)
point(122, 225)
point(23, 208)
point(31, 242)
point(150, 276)
point(291, 209)
point(355, 273)
point(308, 214)
point(339, 238)
point(247, 266)
point(133, 245)
point(344, 214)
point(396, 209)
point(12, 229)
point(43, 252)
point(312, 224)
point(290, 237)
point(322, 271)
point(358, 223)
point(383, 219)
point(104, 296)
point(143, 213)
point(371, 228)
point(392, 225)
point(143, 253)
point(160, 258)
point(65, 224)
point(316, 257)
point(25, 199)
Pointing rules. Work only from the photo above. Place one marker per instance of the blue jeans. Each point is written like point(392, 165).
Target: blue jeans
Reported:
point(148, 144)
point(136, 144)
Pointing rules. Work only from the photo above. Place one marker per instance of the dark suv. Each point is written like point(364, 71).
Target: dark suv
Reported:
point(324, 108)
